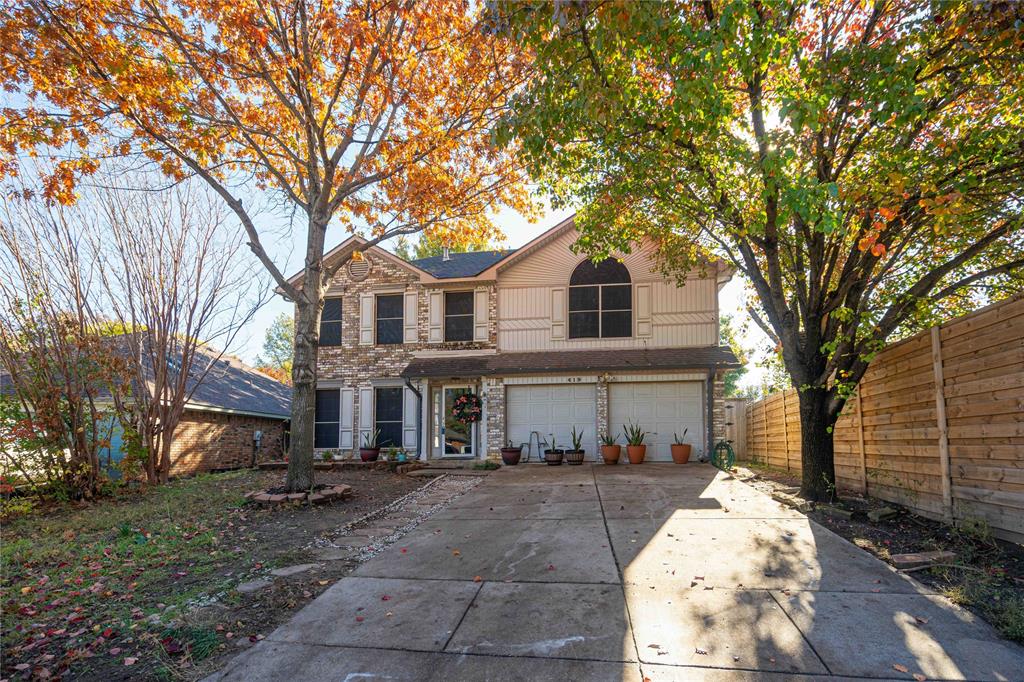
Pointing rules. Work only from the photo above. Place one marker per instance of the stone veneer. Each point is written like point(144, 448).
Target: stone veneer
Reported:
point(355, 365)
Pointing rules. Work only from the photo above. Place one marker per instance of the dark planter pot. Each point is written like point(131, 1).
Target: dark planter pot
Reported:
point(636, 453)
point(611, 453)
point(369, 454)
point(554, 457)
point(574, 457)
point(681, 452)
point(510, 456)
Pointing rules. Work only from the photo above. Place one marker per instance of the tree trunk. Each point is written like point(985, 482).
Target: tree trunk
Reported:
point(817, 448)
point(307, 340)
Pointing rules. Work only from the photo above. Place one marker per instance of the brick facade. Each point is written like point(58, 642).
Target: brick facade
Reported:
point(357, 365)
point(210, 441)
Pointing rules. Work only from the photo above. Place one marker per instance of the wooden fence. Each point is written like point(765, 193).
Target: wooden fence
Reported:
point(937, 423)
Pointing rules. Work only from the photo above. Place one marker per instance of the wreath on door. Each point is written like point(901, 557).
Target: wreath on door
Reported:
point(467, 408)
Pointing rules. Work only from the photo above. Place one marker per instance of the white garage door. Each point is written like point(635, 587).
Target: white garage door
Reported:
point(553, 409)
point(662, 408)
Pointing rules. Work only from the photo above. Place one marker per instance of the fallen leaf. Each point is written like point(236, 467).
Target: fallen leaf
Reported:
point(900, 668)
point(922, 621)
point(359, 619)
point(385, 597)
point(919, 677)
point(477, 579)
point(130, 661)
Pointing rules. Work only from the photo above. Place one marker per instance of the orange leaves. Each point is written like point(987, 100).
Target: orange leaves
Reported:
point(59, 186)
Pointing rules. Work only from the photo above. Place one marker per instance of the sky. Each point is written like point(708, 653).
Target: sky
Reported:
point(287, 253)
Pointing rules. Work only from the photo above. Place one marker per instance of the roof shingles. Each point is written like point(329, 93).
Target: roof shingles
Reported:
point(468, 264)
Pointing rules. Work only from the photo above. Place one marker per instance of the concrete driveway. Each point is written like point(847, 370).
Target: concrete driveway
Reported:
point(658, 571)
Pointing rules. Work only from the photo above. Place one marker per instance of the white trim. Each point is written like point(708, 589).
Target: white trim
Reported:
point(679, 376)
point(551, 379)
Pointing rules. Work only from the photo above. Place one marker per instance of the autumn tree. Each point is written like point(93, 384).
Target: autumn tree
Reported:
point(278, 342)
point(178, 283)
point(425, 247)
point(60, 382)
point(372, 115)
point(862, 164)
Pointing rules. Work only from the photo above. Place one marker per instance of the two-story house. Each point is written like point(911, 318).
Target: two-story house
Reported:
point(546, 338)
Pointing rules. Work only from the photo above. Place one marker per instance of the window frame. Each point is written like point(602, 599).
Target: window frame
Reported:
point(317, 421)
point(332, 321)
point(377, 319)
point(401, 414)
point(600, 311)
point(445, 315)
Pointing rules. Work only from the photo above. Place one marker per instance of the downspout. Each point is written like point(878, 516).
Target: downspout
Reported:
point(419, 418)
point(709, 435)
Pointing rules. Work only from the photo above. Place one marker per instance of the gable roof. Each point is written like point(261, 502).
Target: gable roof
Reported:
point(468, 264)
point(232, 386)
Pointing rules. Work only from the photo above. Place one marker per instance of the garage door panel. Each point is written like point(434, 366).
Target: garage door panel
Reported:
point(553, 409)
point(662, 409)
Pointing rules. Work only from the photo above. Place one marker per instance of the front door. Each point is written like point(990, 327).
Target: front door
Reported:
point(451, 438)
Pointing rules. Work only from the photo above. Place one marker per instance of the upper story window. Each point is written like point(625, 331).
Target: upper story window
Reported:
point(600, 300)
point(458, 316)
point(330, 323)
point(390, 319)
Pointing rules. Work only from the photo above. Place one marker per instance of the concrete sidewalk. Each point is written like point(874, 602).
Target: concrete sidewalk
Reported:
point(597, 572)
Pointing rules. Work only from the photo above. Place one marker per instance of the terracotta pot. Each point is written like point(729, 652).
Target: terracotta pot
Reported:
point(611, 453)
point(369, 454)
point(510, 456)
point(553, 457)
point(681, 452)
point(636, 453)
point(574, 456)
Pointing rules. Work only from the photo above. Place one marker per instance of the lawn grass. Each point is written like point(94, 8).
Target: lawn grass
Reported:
point(85, 581)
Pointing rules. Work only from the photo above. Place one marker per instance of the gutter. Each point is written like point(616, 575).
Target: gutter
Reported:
point(419, 417)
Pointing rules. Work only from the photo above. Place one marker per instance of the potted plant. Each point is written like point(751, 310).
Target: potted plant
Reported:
point(327, 455)
point(635, 448)
point(369, 452)
point(610, 450)
point(680, 450)
point(575, 456)
point(553, 455)
point(510, 454)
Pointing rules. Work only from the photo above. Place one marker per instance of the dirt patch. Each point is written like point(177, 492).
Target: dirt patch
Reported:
point(144, 586)
point(986, 577)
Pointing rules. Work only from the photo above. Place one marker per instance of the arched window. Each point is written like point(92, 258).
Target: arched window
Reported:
point(600, 300)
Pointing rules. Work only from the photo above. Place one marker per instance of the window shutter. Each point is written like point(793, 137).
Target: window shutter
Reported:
point(409, 420)
point(411, 316)
point(365, 413)
point(366, 319)
point(480, 314)
point(347, 419)
point(435, 322)
point(644, 327)
point(558, 313)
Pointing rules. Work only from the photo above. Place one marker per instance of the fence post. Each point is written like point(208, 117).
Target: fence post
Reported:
point(940, 417)
point(860, 444)
point(785, 431)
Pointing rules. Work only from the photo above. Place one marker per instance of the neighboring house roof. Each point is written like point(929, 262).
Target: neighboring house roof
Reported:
point(233, 386)
point(468, 264)
point(703, 358)
point(228, 386)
